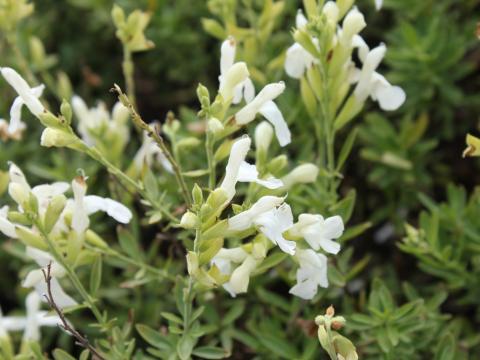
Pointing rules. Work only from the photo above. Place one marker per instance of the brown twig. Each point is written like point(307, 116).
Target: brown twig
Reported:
point(154, 133)
point(81, 340)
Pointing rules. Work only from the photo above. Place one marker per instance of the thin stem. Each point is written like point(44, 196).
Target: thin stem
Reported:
point(71, 274)
point(209, 145)
point(97, 155)
point(154, 134)
point(128, 73)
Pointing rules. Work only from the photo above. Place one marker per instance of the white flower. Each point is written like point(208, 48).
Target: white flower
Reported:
point(240, 277)
point(225, 260)
point(85, 205)
point(239, 170)
point(353, 23)
point(298, 60)
point(98, 122)
point(302, 174)
point(378, 4)
point(371, 83)
point(274, 223)
point(246, 219)
point(6, 227)
point(319, 232)
point(148, 152)
point(244, 89)
point(263, 136)
point(311, 274)
point(36, 279)
point(264, 105)
point(26, 96)
point(36, 318)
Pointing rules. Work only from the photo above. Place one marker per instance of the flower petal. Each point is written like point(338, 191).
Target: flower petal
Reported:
point(116, 210)
point(273, 114)
point(333, 227)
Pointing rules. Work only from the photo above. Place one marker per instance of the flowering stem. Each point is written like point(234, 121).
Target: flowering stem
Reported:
point(154, 134)
point(209, 144)
point(97, 155)
point(71, 274)
point(128, 71)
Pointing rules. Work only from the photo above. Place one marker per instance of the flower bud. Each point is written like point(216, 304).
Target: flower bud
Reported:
point(188, 142)
point(353, 23)
point(331, 12)
point(55, 137)
point(18, 193)
point(29, 238)
point(118, 16)
point(241, 275)
point(263, 136)
point(94, 239)
point(302, 174)
point(54, 210)
point(66, 111)
point(473, 146)
point(197, 195)
point(214, 126)
point(237, 73)
point(277, 164)
point(189, 220)
point(343, 7)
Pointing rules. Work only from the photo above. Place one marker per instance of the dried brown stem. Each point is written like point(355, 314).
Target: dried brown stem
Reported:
point(81, 340)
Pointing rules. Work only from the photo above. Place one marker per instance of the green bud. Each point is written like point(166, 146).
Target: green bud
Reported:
point(189, 220)
point(208, 249)
point(214, 28)
point(214, 126)
point(64, 86)
point(303, 38)
point(203, 96)
point(217, 230)
point(197, 195)
point(37, 51)
point(54, 210)
point(58, 138)
point(118, 16)
point(189, 142)
point(310, 7)
point(66, 111)
point(217, 198)
point(223, 150)
point(192, 263)
point(32, 203)
point(29, 238)
point(277, 164)
point(49, 120)
point(94, 239)
point(19, 218)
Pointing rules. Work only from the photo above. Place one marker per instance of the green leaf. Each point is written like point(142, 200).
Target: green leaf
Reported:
point(96, 275)
point(129, 243)
point(185, 347)
point(210, 352)
point(59, 354)
point(344, 207)
point(446, 349)
point(172, 317)
point(271, 261)
point(346, 149)
point(153, 337)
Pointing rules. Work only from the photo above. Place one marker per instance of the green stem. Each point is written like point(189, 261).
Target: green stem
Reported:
point(209, 145)
point(127, 180)
point(151, 132)
point(71, 274)
point(128, 73)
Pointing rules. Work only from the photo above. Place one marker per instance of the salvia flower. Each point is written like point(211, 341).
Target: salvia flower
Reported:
point(36, 318)
point(370, 83)
point(237, 170)
point(263, 104)
point(26, 96)
point(298, 59)
point(227, 260)
point(319, 232)
point(246, 219)
point(243, 90)
point(311, 274)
